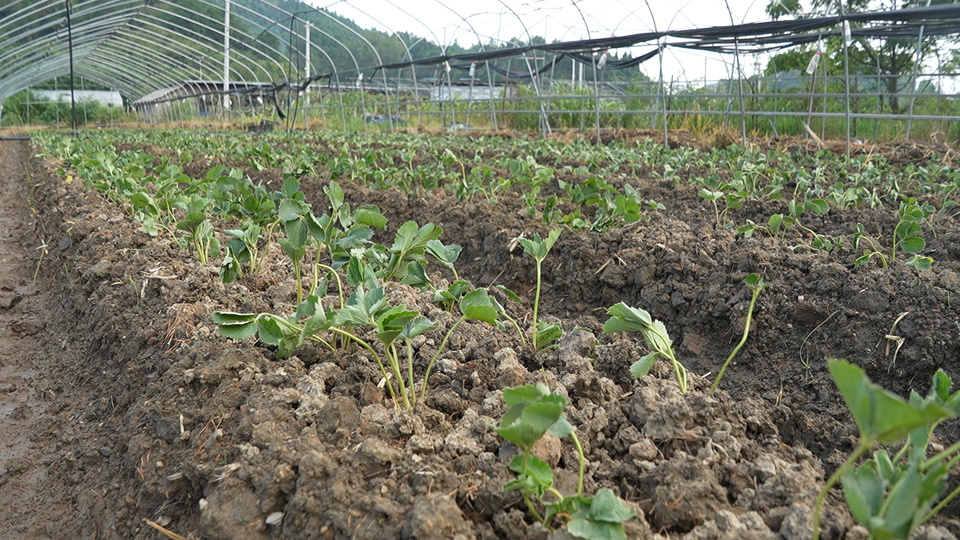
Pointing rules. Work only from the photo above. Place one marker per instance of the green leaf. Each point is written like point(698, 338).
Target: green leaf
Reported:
point(641, 367)
point(940, 386)
point(596, 530)
point(537, 469)
point(547, 335)
point(317, 322)
point(532, 422)
point(817, 206)
point(459, 288)
point(315, 226)
point(355, 237)
point(444, 298)
point(523, 484)
point(410, 239)
point(561, 428)
point(370, 216)
point(391, 322)
point(657, 338)
point(754, 281)
point(524, 395)
point(290, 186)
point(885, 467)
point(236, 325)
point(270, 331)
point(352, 316)
point(290, 210)
point(296, 231)
point(908, 229)
point(477, 305)
point(538, 247)
point(214, 246)
point(191, 221)
point(880, 415)
point(445, 254)
point(709, 195)
point(510, 294)
point(356, 271)
point(627, 319)
point(774, 223)
point(307, 308)
point(229, 268)
point(606, 506)
point(903, 503)
point(334, 195)
point(628, 209)
point(863, 489)
point(362, 307)
point(417, 326)
point(912, 245)
point(416, 276)
point(230, 317)
point(920, 263)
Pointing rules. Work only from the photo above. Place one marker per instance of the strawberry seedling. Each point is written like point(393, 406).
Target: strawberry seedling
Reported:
point(756, 284)
point(538, 248)
point(891, 496)
point(629, 319)
point(532, 412)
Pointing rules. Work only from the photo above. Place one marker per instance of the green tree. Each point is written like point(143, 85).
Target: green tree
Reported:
point(892, 60)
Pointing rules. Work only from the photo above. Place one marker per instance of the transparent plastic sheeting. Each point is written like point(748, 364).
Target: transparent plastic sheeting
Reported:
point(140, 47)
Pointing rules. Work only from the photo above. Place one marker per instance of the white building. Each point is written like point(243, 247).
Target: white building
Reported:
point(103, 97)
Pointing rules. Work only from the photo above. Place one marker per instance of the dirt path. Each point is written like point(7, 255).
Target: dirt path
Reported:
point(23, 470)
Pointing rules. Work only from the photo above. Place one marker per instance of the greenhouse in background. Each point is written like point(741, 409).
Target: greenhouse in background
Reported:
point(779, 69)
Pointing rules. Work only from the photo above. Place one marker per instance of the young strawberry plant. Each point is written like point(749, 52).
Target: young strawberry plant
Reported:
point(893, 495)
point(538, 248)
point(532, 412)
point(200, 235)
point(365, 310)
point(241, 249)
point(906, 235)
point(629, 319)
point(871, 251)
point(755, 284)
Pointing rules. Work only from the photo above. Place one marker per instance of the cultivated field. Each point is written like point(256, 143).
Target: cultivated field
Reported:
point(300, 335)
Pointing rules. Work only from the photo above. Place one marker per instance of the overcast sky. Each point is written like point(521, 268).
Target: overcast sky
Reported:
point(458, 21)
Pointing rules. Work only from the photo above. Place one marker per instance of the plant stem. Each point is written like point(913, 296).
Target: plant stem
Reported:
point(940, 456)
point(413, 390)
point(746, 332)
point(394, 360)
point(667, 351)
point(681, 373)
point(266, 246)
point(436, 356)
point(536, 306)
point(583, 461)
point(940, 506)
point(523, 340)
point(335, 275)
point(523, 467)
point(383, 369)
point(533, 511)
point(865, 445)
point(296, 273)
point(198, 245)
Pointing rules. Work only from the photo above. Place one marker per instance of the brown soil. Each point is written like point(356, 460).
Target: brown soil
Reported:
point(121, 404)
